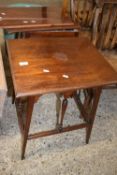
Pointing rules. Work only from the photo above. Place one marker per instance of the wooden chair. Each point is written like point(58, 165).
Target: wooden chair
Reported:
point(83, 11)
point(104, 34)
point(100, 16)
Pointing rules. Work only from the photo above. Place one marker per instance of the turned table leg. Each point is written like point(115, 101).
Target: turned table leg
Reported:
point(24, 118)
point(58, 109)
point(62, 108)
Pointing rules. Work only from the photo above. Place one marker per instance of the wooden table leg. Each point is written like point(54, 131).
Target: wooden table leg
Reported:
point(24, 124)
point(58, 108)
point(88, 108)
point(30, 105)
point(20, 108)
point(81, 106)
point(64, 107)
point(92, 112)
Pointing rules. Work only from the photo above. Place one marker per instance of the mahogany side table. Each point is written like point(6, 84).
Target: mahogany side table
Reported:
point(23, 19)
point(59, 65)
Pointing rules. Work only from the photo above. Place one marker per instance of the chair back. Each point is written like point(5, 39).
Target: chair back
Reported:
point(83, 11)
point(104, 34)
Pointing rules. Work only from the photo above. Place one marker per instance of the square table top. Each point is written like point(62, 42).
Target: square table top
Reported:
point(34, 17)
point(45, 65)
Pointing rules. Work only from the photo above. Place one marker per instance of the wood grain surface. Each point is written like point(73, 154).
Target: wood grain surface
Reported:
point(33, 17)
point(56, 64)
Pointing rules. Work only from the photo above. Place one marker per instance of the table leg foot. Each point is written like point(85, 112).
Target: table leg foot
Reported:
point(22, 156)
point(88, 134)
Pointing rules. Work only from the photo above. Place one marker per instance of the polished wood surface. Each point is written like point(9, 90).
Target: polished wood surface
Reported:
point(34, 17)
point(56, 64)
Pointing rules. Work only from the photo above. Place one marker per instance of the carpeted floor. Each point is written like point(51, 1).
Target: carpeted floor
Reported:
point(64, 154)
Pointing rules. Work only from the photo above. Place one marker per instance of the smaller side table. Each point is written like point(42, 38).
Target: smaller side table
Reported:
point(22, 19)
point(59, 65)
